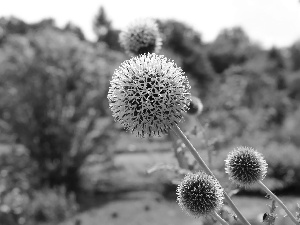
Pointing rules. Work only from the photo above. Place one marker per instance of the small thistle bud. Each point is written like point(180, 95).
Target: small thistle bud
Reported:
point(195, 107)
point(199, 194)
point(141, 36)
point(245, 166)
point(148, 94)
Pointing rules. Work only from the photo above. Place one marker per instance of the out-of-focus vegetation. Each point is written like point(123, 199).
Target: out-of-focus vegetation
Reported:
point(55, 120)
point(53, 91)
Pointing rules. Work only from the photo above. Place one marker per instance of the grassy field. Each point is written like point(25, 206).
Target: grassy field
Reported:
point(146, 208)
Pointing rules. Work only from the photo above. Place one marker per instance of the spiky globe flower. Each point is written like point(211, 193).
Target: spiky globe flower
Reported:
point(195, 107)
point(245, 166)
point(141, 36)
point(199, 194)
point(148, 94)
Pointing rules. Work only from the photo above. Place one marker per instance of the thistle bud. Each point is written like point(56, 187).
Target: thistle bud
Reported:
point(195, 107)
point(141, 36)
point(200, 194)
point(245, 166)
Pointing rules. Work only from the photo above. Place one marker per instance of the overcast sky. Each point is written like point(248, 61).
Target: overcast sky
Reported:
point(269, 22)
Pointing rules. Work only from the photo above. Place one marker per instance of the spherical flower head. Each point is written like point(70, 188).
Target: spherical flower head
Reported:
point(141, 36)
point(148, 94)
point(195, 107)
point(200, 194)
point(245, 166)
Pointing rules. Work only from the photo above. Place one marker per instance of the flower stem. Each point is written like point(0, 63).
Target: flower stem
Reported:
point(219, 218)
point(194, 152)
point(274, 197)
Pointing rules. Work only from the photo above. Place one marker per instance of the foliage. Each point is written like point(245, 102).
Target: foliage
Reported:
point(295, 55)
point(16, 178)
point(283, 164)
point(72, 28)
point(51, 205)
point(20, 203)
point(231, 47)
point(104, 30)
point(53, 90)
point(187, 44)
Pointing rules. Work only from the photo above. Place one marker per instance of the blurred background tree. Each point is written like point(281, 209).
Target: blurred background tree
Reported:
point(104, 30)
point(53, 90)
point(187, 45)
point(231, 47)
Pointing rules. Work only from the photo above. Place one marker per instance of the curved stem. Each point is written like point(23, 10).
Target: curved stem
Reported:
point(275, 198)
point(219, 218)
point(194, 152)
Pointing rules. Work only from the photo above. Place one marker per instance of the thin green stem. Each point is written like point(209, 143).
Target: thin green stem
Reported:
point(275, 198)
point(219, 218)
point(194, 152)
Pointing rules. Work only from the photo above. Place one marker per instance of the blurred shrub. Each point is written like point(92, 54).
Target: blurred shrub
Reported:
point(43, 206)
point(277, 60)
point(16, 170)
point(72, 28)
point(293, 83)
point(20, 202)
point(52, 92)
point(291, 128)
point(295, 55)
point(231, 47)
point(248, 101)
point(186, 44)
point(51, 205)
point(13, 25)
point(13, 207)
point(283, 164)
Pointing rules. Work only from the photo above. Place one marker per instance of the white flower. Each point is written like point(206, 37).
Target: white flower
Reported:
point(148, 94)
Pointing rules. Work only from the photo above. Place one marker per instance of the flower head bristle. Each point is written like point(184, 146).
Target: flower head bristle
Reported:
point(245, 166)
point(141, 36)
point(148, 94)
point(200, 194)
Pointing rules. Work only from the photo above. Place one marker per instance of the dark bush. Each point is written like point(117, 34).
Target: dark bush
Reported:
point(231, 47)
point(20, 202)
point(283, 164)
point(51, 205)
point(186, 43)
point(53, 91)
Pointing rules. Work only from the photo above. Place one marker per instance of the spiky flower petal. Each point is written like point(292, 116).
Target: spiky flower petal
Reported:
point(195, 107)
point(141, 36)
point(148, 94)
point(245, 166)
point(199, 194)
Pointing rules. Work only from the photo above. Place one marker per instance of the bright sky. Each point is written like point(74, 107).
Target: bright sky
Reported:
point(269, 22)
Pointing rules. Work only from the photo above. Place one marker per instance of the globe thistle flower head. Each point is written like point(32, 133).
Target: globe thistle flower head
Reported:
point(245, 166)
point(148, 94)
point(141, 36)
point(200, 194)
point(195, 107)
